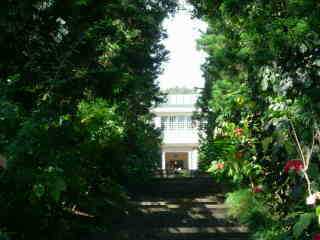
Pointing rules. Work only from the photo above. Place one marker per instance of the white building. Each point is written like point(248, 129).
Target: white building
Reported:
point(179, 132)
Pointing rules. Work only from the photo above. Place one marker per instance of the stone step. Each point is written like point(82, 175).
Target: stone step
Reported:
point(166, 236)
point(199, 212)
point(213, 229)
point(195, 212)
point(178, 187)
point(189, 233)
point(184, 205)
point(176, 194)
point(210, 208)
point(179, 209)
point(176, 221)
point(184, 201)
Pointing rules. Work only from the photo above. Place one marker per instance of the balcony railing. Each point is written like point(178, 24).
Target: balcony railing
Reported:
point(180, 136)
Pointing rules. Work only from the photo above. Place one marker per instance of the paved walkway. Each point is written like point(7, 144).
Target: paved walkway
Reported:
point(180, 209)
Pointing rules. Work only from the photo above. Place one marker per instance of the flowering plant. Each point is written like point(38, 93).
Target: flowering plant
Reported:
point(220, 165)
point(316, 237)
point(238, 132)
point(294, 165)
point(257, 189)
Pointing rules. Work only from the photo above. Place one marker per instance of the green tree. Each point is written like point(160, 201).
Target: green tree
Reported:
point(271, 49)
point(76, 85)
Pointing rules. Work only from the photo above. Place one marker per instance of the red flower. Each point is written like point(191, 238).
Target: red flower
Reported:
point(316, 237)
point(295, 165)
point(257, 189)
point(220, 166)
point(238, 131)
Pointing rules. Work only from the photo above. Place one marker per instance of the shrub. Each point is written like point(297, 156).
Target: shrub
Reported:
point(245, 206)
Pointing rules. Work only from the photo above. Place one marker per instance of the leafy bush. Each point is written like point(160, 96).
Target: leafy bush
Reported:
point(245, 206)
point(4, 236)
point(273, 233)
point(77, 83)
point(261, 105)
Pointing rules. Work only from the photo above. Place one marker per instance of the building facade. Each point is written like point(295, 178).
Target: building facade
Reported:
point(179, 132)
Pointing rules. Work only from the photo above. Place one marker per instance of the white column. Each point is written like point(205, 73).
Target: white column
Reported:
point(195, 159)
point(163, 164)
point(157, 121)
point(189, 160)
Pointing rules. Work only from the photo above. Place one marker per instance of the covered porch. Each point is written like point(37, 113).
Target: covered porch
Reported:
point(178, 158)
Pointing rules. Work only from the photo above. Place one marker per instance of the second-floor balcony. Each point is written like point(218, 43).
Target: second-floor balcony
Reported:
point(180, 136)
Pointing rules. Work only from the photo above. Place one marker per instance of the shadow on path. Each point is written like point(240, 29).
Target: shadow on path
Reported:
point(179, 209)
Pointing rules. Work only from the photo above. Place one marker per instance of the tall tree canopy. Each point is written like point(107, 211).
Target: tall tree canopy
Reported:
point(76, 85)
point(262, 83)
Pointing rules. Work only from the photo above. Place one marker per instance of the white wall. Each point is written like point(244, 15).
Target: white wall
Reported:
point(180, 136)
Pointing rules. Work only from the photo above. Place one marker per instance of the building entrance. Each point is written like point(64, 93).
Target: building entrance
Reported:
point(176, 160)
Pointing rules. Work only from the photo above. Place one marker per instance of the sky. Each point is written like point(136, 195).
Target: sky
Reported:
point(183, 67)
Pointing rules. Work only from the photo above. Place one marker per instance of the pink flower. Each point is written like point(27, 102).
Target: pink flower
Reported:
point(220, 166)
point(316, 237)
point(295, 165)
point(238, 132)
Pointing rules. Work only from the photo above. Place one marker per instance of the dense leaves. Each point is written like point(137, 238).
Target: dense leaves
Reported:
point(76, 85)
point(262, 76)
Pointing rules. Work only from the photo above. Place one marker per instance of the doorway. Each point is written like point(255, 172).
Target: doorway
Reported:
point(176, 160)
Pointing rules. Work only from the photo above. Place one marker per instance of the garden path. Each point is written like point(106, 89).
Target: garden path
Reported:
point(180, 209)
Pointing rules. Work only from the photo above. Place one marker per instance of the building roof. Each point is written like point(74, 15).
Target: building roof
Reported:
point(178, 103)
point(180, 100)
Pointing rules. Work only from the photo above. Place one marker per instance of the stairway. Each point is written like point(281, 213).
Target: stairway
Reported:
point(180, 209)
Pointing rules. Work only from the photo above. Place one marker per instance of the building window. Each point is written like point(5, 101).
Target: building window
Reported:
point(177, 122)
point(181, 122)
point(163, 122)
point(172, 122)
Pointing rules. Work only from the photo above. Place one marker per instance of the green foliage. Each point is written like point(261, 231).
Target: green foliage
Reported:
point(235, 158)
point(262, 73)
point(245, 206)
point(77, 82)
point(303, 223)
point(3, 236)
point(273, 233)
point(102, 124)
